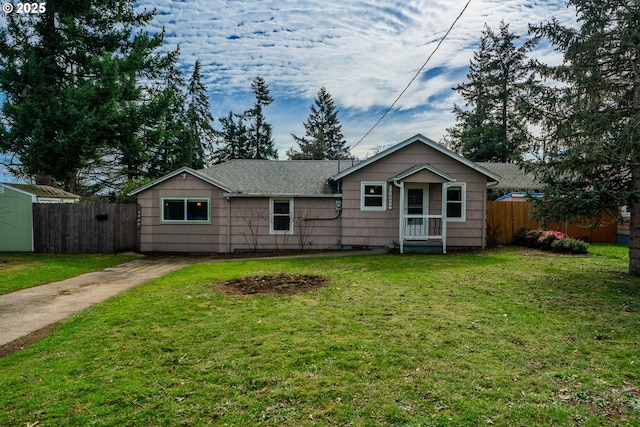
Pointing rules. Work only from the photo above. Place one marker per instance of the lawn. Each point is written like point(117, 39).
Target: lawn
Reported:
point(508, 337)
point(20, 271)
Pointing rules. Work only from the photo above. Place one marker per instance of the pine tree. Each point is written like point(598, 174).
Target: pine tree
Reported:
point(200, 133)
point(493, 126)
point(70, 76)
point(259, 136)
point(233, 139)
point(323, 138)
point(590, 115)
point(167, 139)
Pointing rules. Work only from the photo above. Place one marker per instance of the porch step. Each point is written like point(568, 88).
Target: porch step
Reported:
point(420, 247)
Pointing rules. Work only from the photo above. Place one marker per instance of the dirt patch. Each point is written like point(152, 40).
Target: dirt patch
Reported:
point(26, 341)
point(280, 284)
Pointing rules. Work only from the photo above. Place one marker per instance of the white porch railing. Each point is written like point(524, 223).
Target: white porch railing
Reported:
point(423, 227)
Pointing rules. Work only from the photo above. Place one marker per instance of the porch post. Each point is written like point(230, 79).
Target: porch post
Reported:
point(444, 217)
point(401, 217)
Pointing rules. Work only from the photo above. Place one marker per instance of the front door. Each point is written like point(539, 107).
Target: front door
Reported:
point(416, 210)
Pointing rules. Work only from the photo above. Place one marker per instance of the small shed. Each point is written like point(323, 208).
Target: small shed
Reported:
point(16, 213)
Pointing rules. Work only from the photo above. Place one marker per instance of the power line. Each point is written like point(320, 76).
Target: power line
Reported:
point(413, 79)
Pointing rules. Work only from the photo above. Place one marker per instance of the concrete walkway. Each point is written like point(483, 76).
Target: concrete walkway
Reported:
point(28, 310)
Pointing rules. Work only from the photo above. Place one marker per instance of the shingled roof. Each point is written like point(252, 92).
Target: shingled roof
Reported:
point(276, 177)
point(512, 176)
point(43, 191)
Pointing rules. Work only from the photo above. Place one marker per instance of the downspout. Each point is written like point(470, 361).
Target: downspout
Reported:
point(401, 220)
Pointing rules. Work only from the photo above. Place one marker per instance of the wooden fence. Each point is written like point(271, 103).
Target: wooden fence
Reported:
point(74, 228)
point(511, 217)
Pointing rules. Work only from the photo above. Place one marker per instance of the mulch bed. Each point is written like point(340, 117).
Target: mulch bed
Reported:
point(277, 284)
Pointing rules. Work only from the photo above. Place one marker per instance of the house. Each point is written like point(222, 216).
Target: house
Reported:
point(16, 215)
point(416, 195)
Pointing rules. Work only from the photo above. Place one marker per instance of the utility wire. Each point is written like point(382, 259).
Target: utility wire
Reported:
point(413, 79)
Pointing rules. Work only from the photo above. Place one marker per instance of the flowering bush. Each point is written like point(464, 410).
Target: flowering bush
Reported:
point(548, 240)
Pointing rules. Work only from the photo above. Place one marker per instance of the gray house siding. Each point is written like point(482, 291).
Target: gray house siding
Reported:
point(156, 236)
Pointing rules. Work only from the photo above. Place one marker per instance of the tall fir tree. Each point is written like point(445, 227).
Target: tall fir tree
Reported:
point(591, 115)
point(200, 133)
point(233, 139)
point(70, 75)
point(323, 138)
point(492, 126)
point(259, 137)
point(167, 138)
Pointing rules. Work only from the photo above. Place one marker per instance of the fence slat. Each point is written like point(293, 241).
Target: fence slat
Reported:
point(75, 228)
point(511, 217)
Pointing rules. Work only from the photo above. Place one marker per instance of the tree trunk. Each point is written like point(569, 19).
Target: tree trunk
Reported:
point(634, 224)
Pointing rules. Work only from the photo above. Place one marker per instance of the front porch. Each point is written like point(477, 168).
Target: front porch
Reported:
point(423, 204)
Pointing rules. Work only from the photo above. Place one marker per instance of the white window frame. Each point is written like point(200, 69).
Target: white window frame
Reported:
point(185, 201)
point(383, 196)
point(272, 215)
point(463, 202)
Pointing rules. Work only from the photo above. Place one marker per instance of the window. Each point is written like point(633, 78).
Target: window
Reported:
point(185, 210)
point(456, 201)
point(281, 216)
point(372, 196)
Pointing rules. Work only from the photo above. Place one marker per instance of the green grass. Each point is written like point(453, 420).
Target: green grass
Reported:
point(509, 337)
point(20, 271)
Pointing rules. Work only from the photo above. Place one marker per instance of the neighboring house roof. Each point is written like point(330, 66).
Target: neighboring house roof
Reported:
point(42, 191)
point(513, 176)
point(430, 143)
point(276, 177)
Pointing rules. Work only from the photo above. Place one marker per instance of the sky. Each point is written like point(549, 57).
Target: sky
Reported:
point(363, 52)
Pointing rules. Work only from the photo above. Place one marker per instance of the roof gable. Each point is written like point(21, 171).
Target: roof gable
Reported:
point(175, 173)
point(419, 168)
point(426, 141)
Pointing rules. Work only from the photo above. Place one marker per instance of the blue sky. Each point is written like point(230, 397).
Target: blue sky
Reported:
point(363, 52)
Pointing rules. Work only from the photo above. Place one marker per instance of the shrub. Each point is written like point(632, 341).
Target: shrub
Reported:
point(569, 245)
point(548, 240)
point(528, 238)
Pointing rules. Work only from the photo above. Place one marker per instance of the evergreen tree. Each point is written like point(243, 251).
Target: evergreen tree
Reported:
point(493, 126)
point(591, 115)
point(323, 133)
point(70, 75)
point(200, 134)
point(259, 137)
point(167, 138)
point(233, 139)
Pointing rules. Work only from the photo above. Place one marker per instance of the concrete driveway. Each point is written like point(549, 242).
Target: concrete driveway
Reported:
point(29, 310)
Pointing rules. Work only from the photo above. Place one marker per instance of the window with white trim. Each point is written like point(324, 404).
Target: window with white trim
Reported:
point(373, 196)
point(456, 200)
point(178, 209)
point(281, 216)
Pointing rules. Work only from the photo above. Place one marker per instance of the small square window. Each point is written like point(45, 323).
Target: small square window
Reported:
point(372, 196)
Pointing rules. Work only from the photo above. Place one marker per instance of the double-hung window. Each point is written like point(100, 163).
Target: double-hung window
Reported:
point(177, 209)
point(281, 221)
point(373, 196)
point(456, 207)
